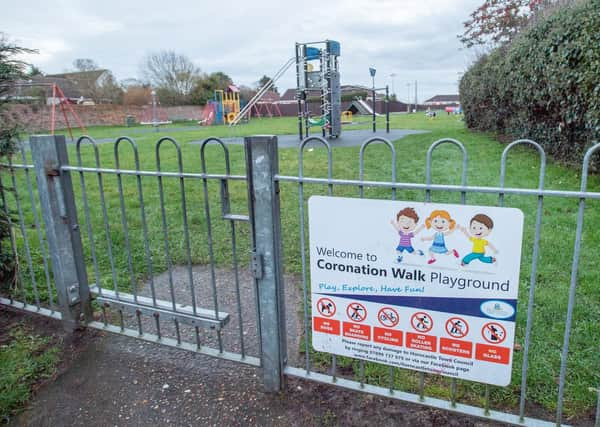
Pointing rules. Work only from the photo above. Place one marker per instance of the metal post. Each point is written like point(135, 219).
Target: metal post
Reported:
point(267, 260)
point(154, 119)
point(387, 109)
point(298, 87)
point(416, 100)
point(57, 203)
point(374, 117)
point(306, 121)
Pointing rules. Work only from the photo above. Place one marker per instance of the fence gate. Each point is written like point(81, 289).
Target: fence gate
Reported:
point(131, 249)
point(167, 251)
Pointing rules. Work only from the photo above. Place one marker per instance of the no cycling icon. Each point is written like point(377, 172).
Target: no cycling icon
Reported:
point(388, 317)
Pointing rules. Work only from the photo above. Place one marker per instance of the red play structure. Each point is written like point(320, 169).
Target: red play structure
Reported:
point(57, 98)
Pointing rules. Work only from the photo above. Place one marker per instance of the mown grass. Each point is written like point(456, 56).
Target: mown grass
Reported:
point(484, 151)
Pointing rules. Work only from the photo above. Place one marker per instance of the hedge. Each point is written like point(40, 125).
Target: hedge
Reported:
point(544, 86)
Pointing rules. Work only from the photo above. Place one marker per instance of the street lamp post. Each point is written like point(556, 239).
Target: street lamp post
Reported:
point(393, 75)
point(408, 98)
point(154, 118)
point(372, 71)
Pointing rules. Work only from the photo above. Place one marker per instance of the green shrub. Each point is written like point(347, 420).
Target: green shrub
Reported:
point(544, 86)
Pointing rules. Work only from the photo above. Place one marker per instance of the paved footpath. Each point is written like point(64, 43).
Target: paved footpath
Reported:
point(349, 138)
point(118, 381)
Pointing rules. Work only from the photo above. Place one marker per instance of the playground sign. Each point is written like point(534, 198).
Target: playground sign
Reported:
point(423, 286)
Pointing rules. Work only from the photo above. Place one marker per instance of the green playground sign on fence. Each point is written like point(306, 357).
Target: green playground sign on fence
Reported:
point(424, 286)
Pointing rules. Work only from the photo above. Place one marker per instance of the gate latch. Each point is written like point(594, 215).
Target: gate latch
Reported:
point(256, 265)
point(73, 294)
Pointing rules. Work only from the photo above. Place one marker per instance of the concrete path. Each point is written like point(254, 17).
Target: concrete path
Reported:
point(349, 138)
point(118, 381)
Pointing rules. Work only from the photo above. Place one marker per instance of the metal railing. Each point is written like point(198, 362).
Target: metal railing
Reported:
point(140, 287)
point(359, 383)
point(167, 269)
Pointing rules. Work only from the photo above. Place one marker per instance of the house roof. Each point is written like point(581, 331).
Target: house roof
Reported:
point(288, 95)
point(444, 98)
point(80, 76)
point(80, 81)
point(270, 96)
point(353, 88)
point(68, 87)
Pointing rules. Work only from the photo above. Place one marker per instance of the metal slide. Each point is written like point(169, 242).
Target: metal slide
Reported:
point(262, 91)
point(367, 107)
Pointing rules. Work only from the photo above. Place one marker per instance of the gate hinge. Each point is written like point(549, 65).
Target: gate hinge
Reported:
point(256, 265)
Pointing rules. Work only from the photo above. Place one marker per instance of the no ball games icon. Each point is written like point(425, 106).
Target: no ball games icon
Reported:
point(388, 317)
point(421, 322)
point(457, 327)
point(356, 312)
point(326, 307)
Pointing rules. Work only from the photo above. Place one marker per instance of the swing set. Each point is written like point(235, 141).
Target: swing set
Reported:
point(57, 98)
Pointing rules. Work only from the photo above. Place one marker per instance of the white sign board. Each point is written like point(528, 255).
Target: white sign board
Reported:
point(424, 286)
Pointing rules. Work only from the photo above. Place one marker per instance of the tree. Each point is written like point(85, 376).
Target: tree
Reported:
point(137, 95)
point(107, 89)
point(206, 85)
point(100, 86)
point(496, 22)
point(246, 92)
point(85, 64)
point(173, 75)
point(11, 70)
point(34, 71)
point(263, 81)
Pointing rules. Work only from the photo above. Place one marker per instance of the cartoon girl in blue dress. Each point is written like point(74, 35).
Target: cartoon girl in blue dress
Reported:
point(443, 225)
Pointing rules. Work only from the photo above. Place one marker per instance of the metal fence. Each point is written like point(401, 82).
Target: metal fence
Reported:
point(143, 283)
point(167, 269)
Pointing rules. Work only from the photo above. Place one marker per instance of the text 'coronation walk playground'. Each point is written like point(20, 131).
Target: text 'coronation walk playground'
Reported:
point(423, 286)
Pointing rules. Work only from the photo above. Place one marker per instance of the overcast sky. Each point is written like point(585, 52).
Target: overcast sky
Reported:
point(414, 39)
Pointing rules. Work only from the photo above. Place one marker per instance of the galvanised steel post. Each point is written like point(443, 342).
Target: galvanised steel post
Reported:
point(374, 117)
point(57, 203)
point(387, 109)
point(267, 260)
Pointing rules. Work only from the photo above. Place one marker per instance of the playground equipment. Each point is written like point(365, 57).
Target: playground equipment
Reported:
point(317, 72)
point(453, 110)
point(262, 91)
point(156, 116)
point(208, 115)
point(317, 77)
point(362, 107)
point(266, 108)
point(229, 108)
point(57, 98)
point(223, 108)
point(346, 117)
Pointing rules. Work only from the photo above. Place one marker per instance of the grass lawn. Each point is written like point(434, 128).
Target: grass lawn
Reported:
point(556, 247)
point(25, 359)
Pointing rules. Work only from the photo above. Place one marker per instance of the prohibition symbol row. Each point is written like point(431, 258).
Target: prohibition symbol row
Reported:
point(456, 327)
